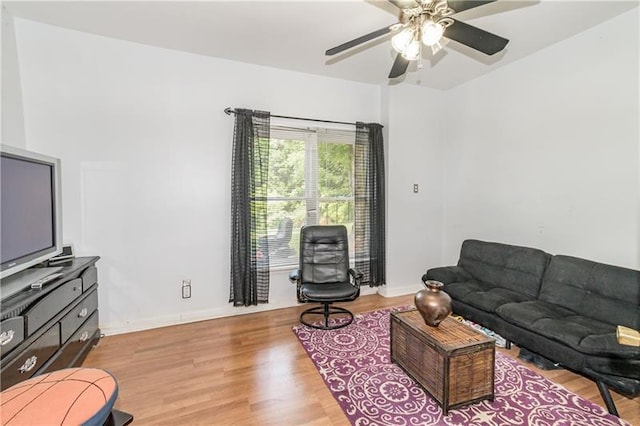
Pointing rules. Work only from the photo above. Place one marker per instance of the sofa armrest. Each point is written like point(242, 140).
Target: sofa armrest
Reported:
point(447, 274)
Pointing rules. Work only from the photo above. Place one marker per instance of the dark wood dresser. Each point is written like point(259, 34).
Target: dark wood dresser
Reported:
point(51, 328)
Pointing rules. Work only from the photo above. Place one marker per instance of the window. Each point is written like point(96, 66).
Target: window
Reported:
point(319, 175)
point(311, 181)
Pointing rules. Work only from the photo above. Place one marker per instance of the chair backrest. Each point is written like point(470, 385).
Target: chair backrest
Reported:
point(285, 228)
point(324, 254)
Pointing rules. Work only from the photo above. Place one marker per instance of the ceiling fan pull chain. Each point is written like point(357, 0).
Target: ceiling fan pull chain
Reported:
point(421, 44)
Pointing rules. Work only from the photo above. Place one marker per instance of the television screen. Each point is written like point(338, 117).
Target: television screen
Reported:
point(27, 209)
point(30, 229)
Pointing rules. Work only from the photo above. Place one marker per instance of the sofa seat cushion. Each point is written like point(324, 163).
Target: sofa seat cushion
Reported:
point(328, 292)
point(482, 295)
point(584, 334)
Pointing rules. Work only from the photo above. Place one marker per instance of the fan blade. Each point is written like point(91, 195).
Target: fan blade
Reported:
point(404, 4)
point(360, 40)
point(460, 5)
point(399, 67)
point(475, 38)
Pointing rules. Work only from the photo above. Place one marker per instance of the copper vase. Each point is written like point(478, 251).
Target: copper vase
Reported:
point(433, 304)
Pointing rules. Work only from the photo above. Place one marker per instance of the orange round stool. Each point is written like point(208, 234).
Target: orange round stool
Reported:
point(73, 396)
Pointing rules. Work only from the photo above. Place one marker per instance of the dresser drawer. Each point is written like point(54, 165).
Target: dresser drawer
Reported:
point(76, 344)
point(89, 277)
point(50, 305)
point(11, 334)
point(79, 314)
point(32, 358)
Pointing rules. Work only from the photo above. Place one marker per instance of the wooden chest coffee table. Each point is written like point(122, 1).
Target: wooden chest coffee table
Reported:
point(453, 362)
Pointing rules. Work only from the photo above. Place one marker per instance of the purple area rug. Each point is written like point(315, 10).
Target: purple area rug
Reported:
point(355, 364)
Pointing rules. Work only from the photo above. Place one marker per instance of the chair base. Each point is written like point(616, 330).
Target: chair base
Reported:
point(326, 310)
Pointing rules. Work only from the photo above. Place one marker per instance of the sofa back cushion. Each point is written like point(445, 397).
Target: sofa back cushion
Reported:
point(610, 294)
point(513, 267)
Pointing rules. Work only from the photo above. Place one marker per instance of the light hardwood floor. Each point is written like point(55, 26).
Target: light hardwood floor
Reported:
point(248, 370)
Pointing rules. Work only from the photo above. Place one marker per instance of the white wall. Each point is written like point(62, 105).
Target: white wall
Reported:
point(415, 149)
point(12, 123)
point(146, 151)
point(545, 152)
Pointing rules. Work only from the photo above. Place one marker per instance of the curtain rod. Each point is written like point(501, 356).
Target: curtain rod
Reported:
point(230, 111)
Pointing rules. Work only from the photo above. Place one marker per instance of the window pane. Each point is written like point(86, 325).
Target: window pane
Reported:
point(310, 182)
point(285, 218)
point(286, 168)
point(335, 169)
point(338, 213)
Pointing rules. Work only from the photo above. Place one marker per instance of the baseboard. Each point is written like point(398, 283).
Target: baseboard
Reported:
point(203, 315)
point(226, 311)
point(387, 291)
point(188, 317)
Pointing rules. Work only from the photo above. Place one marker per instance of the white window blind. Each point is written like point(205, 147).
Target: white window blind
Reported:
point(311, 181)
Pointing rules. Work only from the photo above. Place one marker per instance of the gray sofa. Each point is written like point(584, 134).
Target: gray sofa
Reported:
point(563, 308)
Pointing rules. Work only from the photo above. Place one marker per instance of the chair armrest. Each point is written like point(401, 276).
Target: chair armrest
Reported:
point(357, 276)
point(447, 274)
point(294, 276)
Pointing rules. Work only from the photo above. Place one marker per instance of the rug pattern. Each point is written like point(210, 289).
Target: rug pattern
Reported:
point(355, 364)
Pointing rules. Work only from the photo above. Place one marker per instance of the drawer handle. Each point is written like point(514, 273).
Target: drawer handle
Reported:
point(6, 337)
point(83, 313)
point(84, 336)
point(29, 364)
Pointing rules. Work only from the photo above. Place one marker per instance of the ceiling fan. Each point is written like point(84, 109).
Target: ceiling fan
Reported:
point(425, 22)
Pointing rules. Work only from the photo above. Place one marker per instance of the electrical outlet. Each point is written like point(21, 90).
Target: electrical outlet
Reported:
point(415, 188)
point(186, 291)
point(186, 288)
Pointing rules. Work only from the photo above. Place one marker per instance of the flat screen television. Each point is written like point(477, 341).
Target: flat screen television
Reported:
point(30, 215)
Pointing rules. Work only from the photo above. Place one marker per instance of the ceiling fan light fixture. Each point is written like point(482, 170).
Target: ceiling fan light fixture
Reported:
point(431, 32)
point(435, 48)
point(401, 40)
point(412, 51)
point(424, 23)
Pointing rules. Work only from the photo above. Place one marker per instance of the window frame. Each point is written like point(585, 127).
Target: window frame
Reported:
point(311, 197)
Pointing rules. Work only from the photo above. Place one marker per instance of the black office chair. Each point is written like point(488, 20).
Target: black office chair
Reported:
point(278, 244)
point(280, 241)
point(324, 275)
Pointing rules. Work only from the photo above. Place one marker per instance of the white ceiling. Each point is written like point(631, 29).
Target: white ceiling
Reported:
point(294, 35)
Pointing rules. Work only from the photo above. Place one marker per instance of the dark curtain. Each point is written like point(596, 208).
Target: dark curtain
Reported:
point(249, 270)
point(369, 223)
